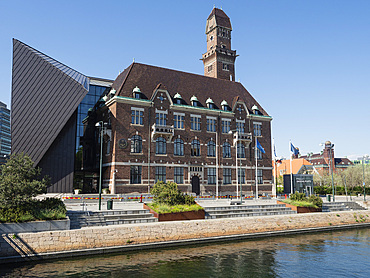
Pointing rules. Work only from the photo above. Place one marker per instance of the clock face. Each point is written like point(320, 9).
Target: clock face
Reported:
point(122, 144)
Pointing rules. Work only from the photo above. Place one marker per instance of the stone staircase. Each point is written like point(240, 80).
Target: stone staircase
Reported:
point(80, 219)
point(246, 211)
point(341, 206)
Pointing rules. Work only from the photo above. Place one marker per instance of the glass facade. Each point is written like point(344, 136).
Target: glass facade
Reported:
point(5, 138)
point(92, 97)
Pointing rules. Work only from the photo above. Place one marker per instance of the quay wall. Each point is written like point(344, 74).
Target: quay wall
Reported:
point(84, 241)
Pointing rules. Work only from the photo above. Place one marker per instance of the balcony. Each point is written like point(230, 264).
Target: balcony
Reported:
point(165, 131)
point(244, 138)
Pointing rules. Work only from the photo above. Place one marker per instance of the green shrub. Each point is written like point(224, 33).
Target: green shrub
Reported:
point(168, 193)
point(298, 197)
point(316, 200)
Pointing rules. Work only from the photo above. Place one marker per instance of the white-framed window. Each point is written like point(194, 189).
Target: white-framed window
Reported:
point(136, 144)
point(225, 125)
point(137, 116)
point(241, 176)
point(226, 150)
point(225, 67)
point(211, 173)
point(195, 148)
point(227, 175)
point(161, 117)
point(178, 120)
point(179, 175)
point(135, 175)
point(178, 148)
point(240, 126)
point(241, 150)
point(211, 124)
point(160, 146)
point(160, 173)
point(259, 176)
point(211, 148)
point(195, 122)
point(257, 129)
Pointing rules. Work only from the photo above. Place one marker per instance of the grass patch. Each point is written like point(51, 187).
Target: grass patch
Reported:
point(48, 209)
point(299, 203)
point(164, 208)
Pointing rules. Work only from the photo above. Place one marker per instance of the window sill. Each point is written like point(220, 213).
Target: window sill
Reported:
point(136, 125)
point(158, 154)
point(136, 153)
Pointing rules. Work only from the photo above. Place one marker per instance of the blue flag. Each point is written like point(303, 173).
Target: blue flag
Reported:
point(260, 147)
point(293, 149)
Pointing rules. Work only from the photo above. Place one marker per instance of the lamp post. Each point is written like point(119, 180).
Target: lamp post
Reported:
point(236, 133)
point(100, 124)
point(363, 176)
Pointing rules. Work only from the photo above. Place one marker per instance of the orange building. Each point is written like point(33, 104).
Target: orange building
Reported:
point(298, 165)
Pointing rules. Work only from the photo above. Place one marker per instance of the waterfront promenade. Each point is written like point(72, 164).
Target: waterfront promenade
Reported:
point(117, 238)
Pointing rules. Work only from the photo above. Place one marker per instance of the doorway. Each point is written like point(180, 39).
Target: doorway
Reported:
point(195, 185)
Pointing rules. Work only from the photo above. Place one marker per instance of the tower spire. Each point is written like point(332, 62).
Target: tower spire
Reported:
point(219, 60)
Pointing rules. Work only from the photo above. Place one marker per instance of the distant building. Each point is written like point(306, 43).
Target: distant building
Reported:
point(5, 138)
point(321, 161)
point(365, 160)
point(299, 166)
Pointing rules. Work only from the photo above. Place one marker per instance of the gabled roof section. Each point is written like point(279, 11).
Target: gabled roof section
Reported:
point(45, 95)
point(148, 77)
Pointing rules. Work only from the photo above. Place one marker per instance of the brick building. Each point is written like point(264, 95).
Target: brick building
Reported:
point(168, 125)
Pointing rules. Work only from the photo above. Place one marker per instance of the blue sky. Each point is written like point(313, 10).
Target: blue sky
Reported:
point(306, 62)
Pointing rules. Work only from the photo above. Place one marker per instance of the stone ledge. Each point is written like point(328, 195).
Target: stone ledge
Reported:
point(35, 226)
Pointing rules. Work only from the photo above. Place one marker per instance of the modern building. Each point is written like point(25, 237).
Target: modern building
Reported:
point(158, 123)
point(5, 138)
point(299, 166)
point(362, 160)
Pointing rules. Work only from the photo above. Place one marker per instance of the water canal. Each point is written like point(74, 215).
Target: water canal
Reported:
point(343, 253)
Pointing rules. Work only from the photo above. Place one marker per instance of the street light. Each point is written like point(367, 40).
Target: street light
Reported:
point(363, 176)
point(330, 146)
point(236, 133)
point(101, 125)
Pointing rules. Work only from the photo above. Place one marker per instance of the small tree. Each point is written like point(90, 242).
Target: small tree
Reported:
point(168, 193)
point(20, 181)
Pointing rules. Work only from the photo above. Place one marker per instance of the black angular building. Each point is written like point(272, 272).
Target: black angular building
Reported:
point(49, 101)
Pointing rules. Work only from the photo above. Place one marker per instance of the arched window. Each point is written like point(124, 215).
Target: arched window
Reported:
point(195, 148)
point(136, 144)
point(211, 148)
point(241, 150)
point(226, 150)
point(178, 147)
point(160, 145)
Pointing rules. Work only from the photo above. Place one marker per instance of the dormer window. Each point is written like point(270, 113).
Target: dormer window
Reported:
point(210, 103)
point(194, 101)
point(224, 105)
point(136, 93)
point(177, 99)
point(255, 110)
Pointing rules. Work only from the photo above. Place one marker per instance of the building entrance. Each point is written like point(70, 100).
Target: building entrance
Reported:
point(195, 185)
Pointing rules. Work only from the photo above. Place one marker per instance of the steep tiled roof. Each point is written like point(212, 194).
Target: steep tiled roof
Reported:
point(221, 18)
point(147, 77)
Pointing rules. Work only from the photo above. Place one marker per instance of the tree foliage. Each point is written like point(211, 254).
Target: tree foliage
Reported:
point(20, 181)
point(168, 193)
point(352, 178)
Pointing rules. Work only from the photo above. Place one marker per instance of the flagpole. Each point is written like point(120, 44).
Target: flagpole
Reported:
point(291, 171)
point(255, 154)
point(274, 189)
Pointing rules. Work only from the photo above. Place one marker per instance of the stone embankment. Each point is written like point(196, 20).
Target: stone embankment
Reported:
point(106, 239)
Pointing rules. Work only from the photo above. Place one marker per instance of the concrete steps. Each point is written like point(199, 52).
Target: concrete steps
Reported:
point(246, 211)
point(341, 206)
point(80, 219)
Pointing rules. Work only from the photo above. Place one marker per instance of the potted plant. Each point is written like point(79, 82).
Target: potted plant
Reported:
point(77, 191)
point(106, 191)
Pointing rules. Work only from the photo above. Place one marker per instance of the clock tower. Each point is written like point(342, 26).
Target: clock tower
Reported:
point(219, 60)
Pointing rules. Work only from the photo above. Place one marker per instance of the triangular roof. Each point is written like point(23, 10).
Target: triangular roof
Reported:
point(45, 94)
point(147, 78)
point(222, 19)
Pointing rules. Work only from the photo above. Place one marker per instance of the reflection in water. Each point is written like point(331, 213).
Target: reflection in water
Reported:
point(332, 254)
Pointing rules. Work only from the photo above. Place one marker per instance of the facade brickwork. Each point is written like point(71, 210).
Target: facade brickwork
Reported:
point(208, 107)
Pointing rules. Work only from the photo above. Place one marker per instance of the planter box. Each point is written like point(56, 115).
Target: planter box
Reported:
point(35, 226)
point(177, 216)
point(300, 209)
